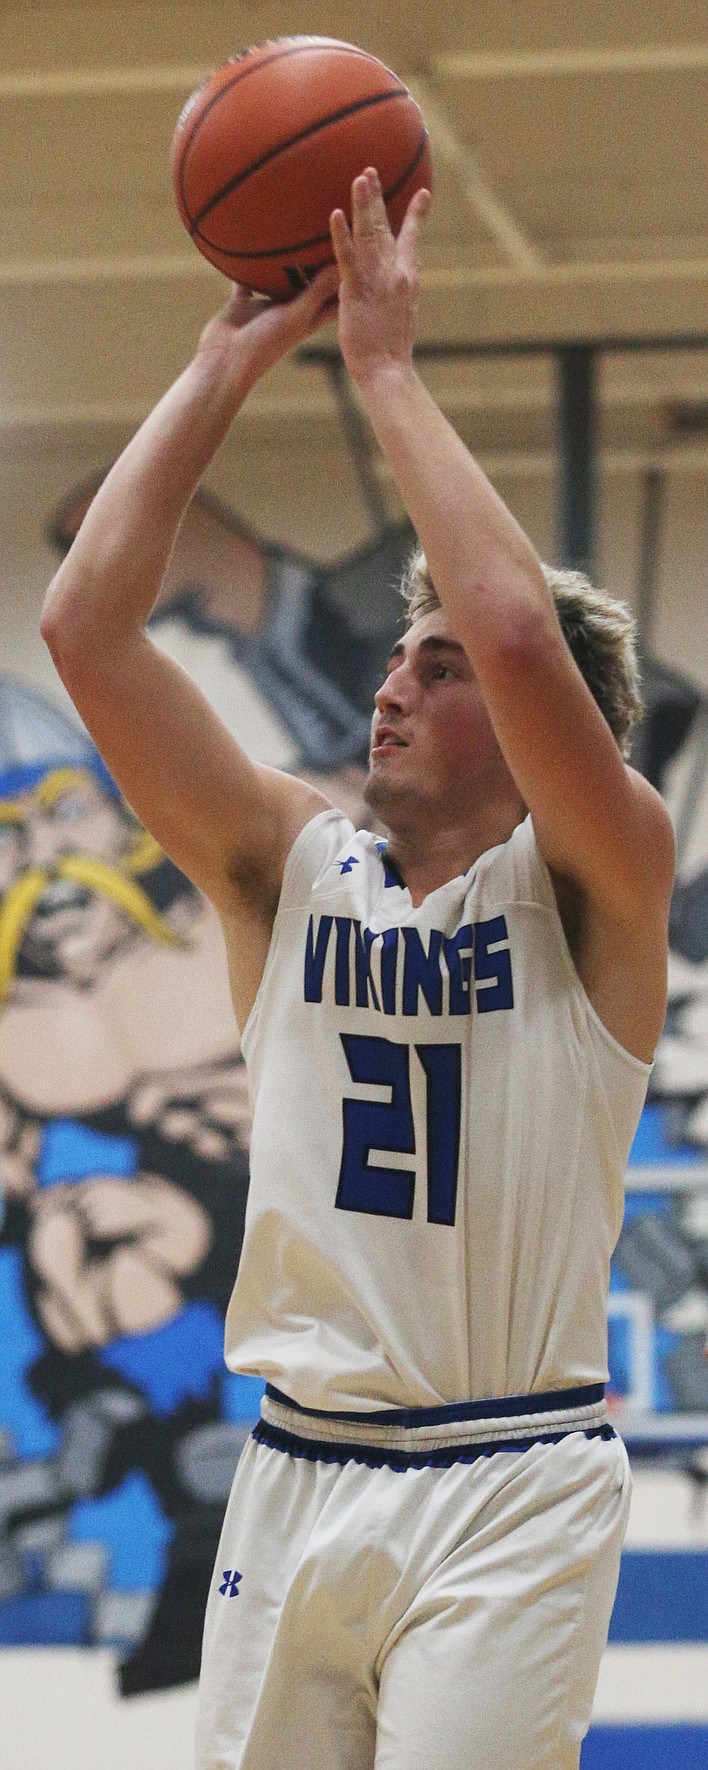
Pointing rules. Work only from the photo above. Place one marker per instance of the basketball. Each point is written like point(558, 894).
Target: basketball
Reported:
point(269, 145)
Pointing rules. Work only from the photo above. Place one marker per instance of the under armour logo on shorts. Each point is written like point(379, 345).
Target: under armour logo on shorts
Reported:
point(230, 1584)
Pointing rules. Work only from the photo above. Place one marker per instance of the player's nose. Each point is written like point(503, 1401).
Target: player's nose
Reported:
point(394, 691)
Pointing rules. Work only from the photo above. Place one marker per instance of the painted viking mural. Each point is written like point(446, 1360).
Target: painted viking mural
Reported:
point(124, 1109)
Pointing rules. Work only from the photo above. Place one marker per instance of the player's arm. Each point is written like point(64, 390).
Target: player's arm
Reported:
point(227, 822)
point(598, 822)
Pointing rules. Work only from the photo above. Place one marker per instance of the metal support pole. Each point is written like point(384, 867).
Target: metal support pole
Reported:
point(577, 463)
point(653, 500)
point(359, 440)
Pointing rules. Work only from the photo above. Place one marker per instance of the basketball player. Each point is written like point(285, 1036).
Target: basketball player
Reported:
point(449, 1038)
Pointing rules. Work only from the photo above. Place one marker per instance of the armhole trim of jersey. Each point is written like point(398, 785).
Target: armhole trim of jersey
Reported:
point(302, 840)
point(604, 1031)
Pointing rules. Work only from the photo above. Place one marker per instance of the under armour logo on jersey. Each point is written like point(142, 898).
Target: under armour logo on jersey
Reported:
point(345, 866)
point(231, 1583)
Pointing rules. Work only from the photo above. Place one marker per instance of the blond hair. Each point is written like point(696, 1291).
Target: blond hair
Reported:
point(599, 629)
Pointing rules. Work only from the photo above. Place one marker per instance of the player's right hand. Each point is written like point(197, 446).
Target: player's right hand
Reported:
point(380, 275)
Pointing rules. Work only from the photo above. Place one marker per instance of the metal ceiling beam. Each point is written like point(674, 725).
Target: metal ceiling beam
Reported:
point(457, 278)
point(662, 58)
point(459, 349)
point(187, 265)
point(458, 64)
point(558, 300)
point(97, 82)
point(615, 463)
point(361, 445)
point(652, 512)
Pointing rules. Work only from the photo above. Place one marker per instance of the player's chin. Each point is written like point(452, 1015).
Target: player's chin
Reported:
point(380, 763)
point(382, 790)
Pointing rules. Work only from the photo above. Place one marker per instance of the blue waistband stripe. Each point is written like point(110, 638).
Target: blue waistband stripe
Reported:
point(444, 1457)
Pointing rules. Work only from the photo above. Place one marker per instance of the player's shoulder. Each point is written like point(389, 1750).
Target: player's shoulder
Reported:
point(323, 841)
point(514, 870)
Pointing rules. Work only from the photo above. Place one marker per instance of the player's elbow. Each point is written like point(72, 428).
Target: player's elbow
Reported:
point(60, 636)
point(53, 630)
point(524, 639)
point(50, 629)
point(80, 637)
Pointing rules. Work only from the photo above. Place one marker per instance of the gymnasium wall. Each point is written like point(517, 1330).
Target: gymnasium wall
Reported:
point(122, 1097)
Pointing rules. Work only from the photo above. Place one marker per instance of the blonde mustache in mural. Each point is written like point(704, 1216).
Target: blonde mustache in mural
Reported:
point(30, 889)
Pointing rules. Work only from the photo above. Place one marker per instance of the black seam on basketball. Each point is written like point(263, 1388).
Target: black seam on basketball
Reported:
point(349, 110)
point(317, 239)
point(410, 169)
point(242, 73)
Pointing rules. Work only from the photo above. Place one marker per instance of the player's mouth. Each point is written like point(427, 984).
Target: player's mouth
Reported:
point(386, 740)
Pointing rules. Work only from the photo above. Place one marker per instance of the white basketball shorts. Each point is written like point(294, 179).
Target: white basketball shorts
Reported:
point(420, 1590)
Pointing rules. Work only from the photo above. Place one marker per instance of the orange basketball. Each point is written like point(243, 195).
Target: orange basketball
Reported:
point(269, 146)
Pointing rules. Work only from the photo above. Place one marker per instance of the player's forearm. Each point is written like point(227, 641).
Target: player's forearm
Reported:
point(112, 575)
point(486, 573)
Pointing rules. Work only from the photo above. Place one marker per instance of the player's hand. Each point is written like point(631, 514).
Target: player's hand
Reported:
point(251, 332)
point(378, 296)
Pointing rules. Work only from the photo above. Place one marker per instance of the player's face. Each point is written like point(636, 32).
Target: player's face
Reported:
point(432, 740)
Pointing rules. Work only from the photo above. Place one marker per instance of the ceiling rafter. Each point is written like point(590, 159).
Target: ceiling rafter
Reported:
point(455, 64)
point(668, 58)
point(538, 237)
point(98, 82)
point(188, 265)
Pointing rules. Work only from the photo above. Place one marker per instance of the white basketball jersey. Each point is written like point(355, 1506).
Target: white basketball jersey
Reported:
point(441, 1130)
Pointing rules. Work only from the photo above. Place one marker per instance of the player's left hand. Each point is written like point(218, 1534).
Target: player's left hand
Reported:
point(251, 333)
point(380, 279)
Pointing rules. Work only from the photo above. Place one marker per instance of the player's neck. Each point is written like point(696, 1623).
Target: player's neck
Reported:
point(429, 857)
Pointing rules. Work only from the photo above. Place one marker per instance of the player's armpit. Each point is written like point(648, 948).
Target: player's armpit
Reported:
point(597, 821)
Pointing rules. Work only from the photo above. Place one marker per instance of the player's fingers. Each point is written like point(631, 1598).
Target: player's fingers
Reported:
point(342, 241)
point(419, 208)
point(368, 208)
point(243, 305)
point(409, 235)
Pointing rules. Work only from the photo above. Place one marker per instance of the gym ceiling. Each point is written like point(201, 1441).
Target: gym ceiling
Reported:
point(571, 206)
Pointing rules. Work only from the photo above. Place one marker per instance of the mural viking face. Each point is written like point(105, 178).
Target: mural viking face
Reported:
point(70, 896)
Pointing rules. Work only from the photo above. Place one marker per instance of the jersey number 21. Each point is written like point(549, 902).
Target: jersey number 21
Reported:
point(388, 1126)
